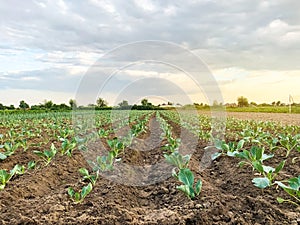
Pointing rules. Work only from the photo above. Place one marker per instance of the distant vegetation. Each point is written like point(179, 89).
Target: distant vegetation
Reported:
point(242, 105)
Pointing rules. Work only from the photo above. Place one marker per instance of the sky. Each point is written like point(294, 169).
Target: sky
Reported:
point(48, 49)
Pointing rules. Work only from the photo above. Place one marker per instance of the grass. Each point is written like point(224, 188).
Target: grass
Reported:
point(267, 109)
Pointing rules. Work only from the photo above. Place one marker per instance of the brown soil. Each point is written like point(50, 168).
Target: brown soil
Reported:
point(227, 197)
point(284, 118)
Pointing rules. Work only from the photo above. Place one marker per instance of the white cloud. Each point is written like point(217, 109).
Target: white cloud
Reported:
point(44, 43)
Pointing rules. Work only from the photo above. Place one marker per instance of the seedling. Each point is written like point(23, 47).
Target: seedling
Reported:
point(87, 176)
point(178, 160)
point(105, 163)
point(78, 197)
point(67, 146)
point(231, 149)
point(269, 173)
point(188, 188)
point(116, 145)
point(24, 144)
point(5, 177)
point(253, 155)
point(47, 155)
point(289, 142)
point(293, 189)
point(31, 165)
point(172, 145)
point(9, 149)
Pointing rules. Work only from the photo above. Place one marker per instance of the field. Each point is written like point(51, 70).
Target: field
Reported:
point(58, 168)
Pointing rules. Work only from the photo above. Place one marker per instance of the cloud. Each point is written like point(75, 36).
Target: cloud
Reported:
point(50, 45)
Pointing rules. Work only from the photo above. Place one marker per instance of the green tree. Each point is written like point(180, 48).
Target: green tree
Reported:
point(23, 105)
point(73, 103)
point(101, 102)
point(48, 104)
point(242, 101)
point(124, 103)
point(144, 102)
point(2, 106)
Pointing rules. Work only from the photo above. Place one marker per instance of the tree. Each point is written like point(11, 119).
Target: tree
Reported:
point(48, 104)
point(242, 101)
point(73, 103)
point(101, 102)
point(23, 105)
point(278, 103)
point(2, 106)
point(144, 102)
point(124, 103)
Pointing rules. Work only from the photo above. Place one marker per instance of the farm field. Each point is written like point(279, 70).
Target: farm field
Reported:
point(240, 178)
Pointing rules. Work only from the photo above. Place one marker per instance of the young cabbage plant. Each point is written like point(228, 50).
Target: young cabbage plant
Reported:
point(31, 165)
point(253, 155)
point(24, 144)
point(78, 197)
point(231, 149)
point(116, 145)
point(269, 173)
point(292, 188)
point(47, 155)
point(102, 133)
point(172, 145)
point(87, 176)
point(67, 146)
point(6, 176)
point(188, 188)
point(289, 142)
point(9, 148)
point(104, 163)
point(178, 160)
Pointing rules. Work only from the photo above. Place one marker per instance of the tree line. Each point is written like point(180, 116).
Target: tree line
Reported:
point(102, 104)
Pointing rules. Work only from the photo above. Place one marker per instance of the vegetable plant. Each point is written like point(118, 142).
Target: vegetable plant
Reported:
point(87, 176)
point(5, 176)
point(269, 173)
point(292, 188)
point(47, 155)
point(78, 197)
point(178, 160)
point(188, 187)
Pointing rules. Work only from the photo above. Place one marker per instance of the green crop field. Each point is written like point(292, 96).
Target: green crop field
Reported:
point(44, 162)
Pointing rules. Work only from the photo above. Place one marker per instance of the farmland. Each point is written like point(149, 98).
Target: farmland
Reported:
point(57, 168)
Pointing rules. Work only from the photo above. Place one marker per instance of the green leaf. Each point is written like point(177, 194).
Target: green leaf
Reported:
point(280, 200)
point(232, 154)
point(268, 169)
point(187, 190)
point(31, 164)
point(295, 183)
point(258, 166)
point(240, 145)
point(2, 156)
point(198, 187)
point(71, 192)
point(84, 171)
point(39, 153)
point(258, 152)
point(216, 155)
point(261, 182)
point(265, 157)
point(279, 167)
point(86, 190)
point(77, 197)
point(186, 176)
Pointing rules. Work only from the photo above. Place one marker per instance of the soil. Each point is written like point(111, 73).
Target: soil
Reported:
point(148, 195)
point(284, 118)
